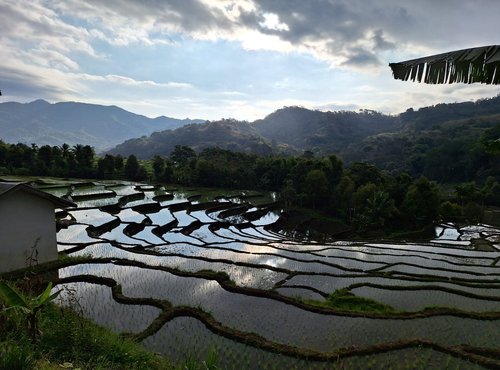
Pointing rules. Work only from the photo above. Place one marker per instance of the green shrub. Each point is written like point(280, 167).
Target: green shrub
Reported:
point(29, 307)
point(473, 212)
point(450, 211)
point(69, 338)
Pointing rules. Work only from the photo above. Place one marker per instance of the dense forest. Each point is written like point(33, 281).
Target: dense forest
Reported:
point(360, 196)
point(450, 151)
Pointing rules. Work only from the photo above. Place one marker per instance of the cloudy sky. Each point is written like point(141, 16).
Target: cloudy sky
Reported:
point(235, 58)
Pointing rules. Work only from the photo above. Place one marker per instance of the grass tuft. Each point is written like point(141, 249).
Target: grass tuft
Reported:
point(344, 300)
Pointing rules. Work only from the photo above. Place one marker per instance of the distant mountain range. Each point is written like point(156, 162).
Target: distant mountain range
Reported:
point(102, 127)
point(392, 142)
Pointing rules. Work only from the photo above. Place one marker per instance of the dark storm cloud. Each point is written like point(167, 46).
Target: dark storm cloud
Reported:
point(315, 19)
point(349, 29)
point(361, 58)
point(374, 26)
point(380, 43)
point(191, 15)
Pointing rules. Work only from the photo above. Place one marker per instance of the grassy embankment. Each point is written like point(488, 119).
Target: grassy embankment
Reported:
point(69, 341)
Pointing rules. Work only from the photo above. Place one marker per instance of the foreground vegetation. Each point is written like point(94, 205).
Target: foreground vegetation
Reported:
point(64, 339)
point(68, 340)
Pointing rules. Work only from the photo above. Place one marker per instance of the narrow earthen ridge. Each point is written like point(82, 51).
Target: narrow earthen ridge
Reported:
point(485, 357)
point(228, 285)
point(480, 356)
point(425, 287)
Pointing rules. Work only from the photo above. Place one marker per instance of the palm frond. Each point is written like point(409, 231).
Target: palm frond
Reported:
point(481, 64)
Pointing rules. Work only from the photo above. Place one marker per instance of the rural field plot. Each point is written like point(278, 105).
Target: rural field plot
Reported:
point(187, 271)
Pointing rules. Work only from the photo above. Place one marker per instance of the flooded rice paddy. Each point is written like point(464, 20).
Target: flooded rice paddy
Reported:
point(185, 271)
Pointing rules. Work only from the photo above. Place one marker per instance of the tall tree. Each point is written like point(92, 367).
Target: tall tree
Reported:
point(158, 167)
point(421, 202)
point(131, 167)
point(182, 155)
point(84, 157)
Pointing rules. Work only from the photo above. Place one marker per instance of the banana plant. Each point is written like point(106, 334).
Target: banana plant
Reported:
point(29, 307)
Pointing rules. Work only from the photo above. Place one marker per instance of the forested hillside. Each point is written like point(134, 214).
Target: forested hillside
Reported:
point(323, 132)
point(290, 130)
point(227, 134)
point(445, 150)
point(447, 142)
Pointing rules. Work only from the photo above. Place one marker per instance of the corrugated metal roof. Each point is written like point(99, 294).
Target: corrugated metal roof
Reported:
point(10, 187)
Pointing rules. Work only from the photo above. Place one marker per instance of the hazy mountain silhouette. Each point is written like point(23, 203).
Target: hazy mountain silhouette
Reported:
point(226, 134)
point(100, 126)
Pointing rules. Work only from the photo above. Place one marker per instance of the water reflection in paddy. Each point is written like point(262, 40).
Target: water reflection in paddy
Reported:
point(96, 303)
point(256, 257)
point(283, 323)
point(186, 335)
point(415, 300)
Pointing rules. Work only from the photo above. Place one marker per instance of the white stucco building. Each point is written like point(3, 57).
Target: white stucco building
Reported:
point(27, 226)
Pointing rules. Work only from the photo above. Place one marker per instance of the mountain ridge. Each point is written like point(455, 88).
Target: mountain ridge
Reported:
point(100, 126)
point(289, 130)
point(226, 134)
point(355, 136)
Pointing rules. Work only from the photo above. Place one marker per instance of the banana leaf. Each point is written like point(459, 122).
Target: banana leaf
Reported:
point(11, 297)
point(45, 297)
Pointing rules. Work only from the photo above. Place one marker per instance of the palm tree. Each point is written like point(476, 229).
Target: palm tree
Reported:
point(480, 64)
point(380, 207)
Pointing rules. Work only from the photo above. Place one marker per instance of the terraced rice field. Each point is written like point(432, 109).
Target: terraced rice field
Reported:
point(187, 271)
